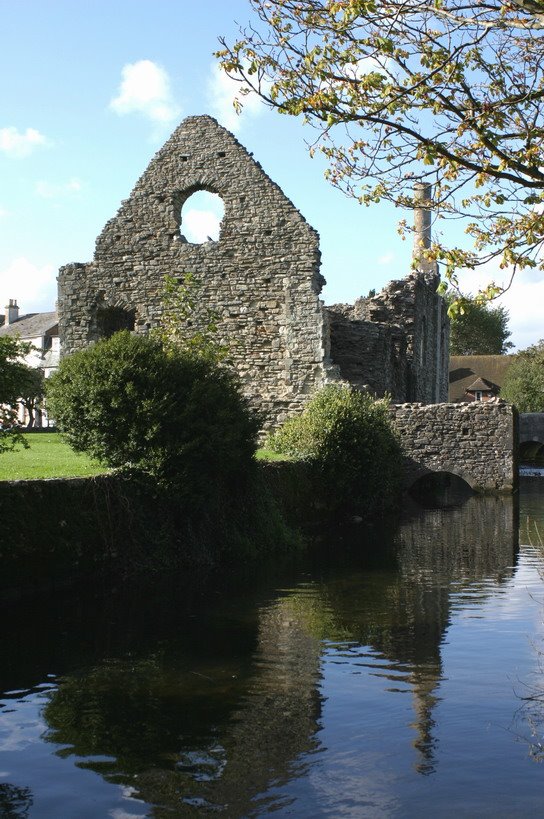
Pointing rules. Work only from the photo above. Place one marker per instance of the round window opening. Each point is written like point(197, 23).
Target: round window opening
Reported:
point(201, 217)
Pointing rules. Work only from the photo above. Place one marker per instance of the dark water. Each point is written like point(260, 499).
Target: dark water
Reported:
point(391, 677)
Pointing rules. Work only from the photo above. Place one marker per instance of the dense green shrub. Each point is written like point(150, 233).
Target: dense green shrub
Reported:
point(177, 417)
point(523, 383)
point(347, 438)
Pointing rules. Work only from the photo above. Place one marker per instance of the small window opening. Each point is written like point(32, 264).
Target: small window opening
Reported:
point(478, 395)
point(221, 154)
point(201, 217)
point(465, 431)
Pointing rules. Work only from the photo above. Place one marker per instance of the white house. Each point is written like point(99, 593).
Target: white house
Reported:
point(42, 331)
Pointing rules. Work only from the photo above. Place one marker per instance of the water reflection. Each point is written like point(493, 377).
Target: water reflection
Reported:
point(15, 803)
point(440, 490)
point(222, 699)
point(529, 719)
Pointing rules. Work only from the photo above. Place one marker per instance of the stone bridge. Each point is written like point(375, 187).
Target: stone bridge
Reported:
point(476, 441)
point(531, 435)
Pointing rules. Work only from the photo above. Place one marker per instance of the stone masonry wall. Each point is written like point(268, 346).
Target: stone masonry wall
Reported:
point(396, 342)
point(261, 278)
point(475, 441)
point(370, 356)
point(262, 281)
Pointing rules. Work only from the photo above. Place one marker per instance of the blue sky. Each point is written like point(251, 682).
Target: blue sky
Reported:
point(91, 89)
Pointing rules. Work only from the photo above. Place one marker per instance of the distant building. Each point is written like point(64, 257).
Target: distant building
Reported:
point(42, 331)
point(477, 377)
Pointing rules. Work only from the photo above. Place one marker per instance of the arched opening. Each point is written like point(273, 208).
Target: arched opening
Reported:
point(440, 489)
point(200, 217)
point(111, 320)
point(531, 453)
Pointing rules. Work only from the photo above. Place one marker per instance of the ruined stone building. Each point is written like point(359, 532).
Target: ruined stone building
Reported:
point(261, 278)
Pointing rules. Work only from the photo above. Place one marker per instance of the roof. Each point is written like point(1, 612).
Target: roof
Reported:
point(467, 370)
point(32, 325)
point(483, 385)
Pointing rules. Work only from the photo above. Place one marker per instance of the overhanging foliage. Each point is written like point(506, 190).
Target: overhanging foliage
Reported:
point(445, 91)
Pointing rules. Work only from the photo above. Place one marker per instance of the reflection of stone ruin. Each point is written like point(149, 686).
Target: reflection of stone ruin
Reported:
point(262, 278)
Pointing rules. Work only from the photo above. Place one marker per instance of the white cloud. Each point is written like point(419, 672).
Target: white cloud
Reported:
point(523, 300)
point(48, 190)
point(3, 212)
point(34, 286)
point(17, 145)
point(200, 225)
point(524, 303)
point(365, 66)
point(201, 217)
point(222, 90)
point(386, 259)
point(145, 89)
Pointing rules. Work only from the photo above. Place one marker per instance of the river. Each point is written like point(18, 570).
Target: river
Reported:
point(394, 674)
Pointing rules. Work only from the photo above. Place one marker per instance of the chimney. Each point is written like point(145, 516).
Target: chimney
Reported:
point(423, 203)
point(12, 311)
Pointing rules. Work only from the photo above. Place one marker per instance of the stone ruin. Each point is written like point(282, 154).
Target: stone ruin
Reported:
point(261, 278)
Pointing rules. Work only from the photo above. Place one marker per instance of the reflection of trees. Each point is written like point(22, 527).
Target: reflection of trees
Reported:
point(15, 802)
point(177, 727)
point(225, 705)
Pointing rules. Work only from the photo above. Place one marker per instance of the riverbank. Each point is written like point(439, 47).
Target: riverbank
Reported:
point(57, 532)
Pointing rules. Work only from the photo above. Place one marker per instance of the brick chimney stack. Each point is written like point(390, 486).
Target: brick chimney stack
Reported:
point(12, 311)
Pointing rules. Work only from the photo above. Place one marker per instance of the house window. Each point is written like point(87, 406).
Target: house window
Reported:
point(478, 395)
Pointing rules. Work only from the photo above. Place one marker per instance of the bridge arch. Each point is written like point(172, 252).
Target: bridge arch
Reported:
point(531, 450)
point(446, 475)
point(440, 489)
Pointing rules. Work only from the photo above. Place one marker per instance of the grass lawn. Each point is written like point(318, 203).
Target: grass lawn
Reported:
point(47, 457)
point(268, 455)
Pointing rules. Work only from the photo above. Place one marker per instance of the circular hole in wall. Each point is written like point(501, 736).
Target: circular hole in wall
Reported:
point(201, 217)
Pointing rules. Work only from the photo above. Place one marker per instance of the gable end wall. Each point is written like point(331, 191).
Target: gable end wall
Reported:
point(261, 278)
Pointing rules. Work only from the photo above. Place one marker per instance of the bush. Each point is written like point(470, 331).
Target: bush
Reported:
point(523, 383)
point(176, 417)
point(348, 439)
